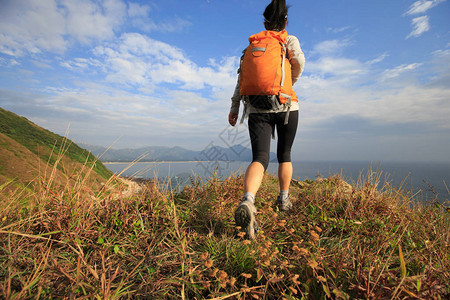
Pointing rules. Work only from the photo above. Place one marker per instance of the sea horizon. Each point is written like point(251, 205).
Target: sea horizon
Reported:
point(415, 176)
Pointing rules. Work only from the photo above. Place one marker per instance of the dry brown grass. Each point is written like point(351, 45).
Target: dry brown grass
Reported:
point(339, 241)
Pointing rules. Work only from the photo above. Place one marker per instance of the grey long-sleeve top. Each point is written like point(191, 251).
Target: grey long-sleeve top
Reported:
point(296, 58)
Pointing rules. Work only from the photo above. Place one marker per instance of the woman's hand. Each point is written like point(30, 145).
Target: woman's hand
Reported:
point(232, 118)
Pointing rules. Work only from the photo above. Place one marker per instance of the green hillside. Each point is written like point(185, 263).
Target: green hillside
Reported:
point(45, 144)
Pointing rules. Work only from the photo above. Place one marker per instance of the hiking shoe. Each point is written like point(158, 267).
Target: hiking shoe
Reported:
point(245, 218)
point(284, 204)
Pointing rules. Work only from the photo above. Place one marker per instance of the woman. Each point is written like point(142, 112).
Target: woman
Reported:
point(262, 124)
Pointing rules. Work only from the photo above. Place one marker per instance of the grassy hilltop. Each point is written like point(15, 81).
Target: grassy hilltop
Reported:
point(68, 239)
point(338, 242)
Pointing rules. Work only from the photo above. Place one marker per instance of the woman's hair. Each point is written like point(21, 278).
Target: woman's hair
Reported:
point(275, 15)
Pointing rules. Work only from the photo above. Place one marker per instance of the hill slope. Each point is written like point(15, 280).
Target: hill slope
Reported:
point(28, 151)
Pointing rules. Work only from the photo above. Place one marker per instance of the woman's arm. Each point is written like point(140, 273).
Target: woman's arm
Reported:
point(236, 99)
point(296, 57)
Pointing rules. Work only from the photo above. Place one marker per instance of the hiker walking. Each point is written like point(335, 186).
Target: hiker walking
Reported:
point(269, 67)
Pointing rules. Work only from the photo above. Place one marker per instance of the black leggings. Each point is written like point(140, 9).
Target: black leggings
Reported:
point(261, 127)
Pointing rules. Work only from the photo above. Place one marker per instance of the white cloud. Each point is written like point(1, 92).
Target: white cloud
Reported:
point(41, 64)
point(140, 60)
point(134, 58)
point(103, 113)
point(138, 10)
point(336, 66)
point(34, 26)
point(8, 62)
point(439, 65)
point(87, 20)
point(330, 46)
point(338, 30)
point(393, 98)
point(397, 71)
point(422, 6)
point(31, 26)
point(414, 104)
point(81, 64)
point(442, 55)
point(378, 59)
point(407, 104)
point(420, 26)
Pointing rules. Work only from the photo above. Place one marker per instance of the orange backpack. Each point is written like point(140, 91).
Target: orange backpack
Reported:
point(265, 71)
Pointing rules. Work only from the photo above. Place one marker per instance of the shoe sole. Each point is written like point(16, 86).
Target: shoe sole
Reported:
point(245, 220)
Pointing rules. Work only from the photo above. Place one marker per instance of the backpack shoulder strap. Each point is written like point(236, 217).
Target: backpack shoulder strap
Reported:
point(283, 52)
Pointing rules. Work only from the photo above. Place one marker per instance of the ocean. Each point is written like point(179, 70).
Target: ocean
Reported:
point(422, 178)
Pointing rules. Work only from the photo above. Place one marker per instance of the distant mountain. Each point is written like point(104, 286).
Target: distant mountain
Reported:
point(159, 153)
point(156, 153)
point(29, 152)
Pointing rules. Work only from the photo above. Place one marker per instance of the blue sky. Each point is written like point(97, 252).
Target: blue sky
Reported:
point(376, 84)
